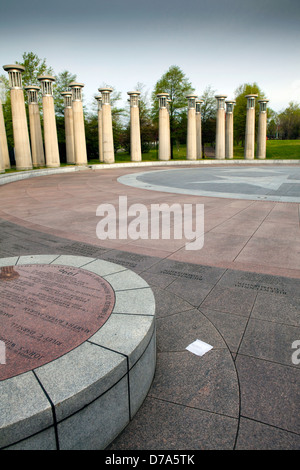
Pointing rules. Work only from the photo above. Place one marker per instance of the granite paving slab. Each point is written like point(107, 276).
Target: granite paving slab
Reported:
point(241, 295)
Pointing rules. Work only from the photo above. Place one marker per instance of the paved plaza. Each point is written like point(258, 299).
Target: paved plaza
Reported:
point(239, 293)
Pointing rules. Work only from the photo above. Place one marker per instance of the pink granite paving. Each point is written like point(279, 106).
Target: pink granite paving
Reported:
point(259, 236)
point(72, 306)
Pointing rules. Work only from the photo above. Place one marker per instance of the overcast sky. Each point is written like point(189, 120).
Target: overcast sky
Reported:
point(221, 43)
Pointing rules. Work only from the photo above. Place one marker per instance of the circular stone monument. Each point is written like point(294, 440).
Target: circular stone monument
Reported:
point(77, 349)
point(48, 310)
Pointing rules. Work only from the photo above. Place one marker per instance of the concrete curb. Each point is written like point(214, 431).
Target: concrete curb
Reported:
point(11, 178)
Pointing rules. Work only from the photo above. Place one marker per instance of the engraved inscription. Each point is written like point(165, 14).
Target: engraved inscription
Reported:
point(48, 310)
point(181, 274)
point(260, 287)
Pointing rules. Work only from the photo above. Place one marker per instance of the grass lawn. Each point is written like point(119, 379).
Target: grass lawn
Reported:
point(276, 149)
point(283, 149)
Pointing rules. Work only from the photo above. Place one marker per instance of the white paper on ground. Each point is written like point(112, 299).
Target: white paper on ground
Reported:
point(198, 347)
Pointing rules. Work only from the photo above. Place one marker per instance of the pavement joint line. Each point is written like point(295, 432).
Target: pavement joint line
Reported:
point(234, 355)
point(251, 236)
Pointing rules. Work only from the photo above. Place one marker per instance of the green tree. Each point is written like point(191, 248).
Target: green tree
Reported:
point(177, 85)
point(289, 122)
point(91, 123)
point(208, 117)
point(272, 124)
point(148, 130)
point(62, 81)
point(34, 66)
point(240, 109)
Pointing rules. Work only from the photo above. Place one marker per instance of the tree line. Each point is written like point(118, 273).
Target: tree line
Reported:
point(282, 125)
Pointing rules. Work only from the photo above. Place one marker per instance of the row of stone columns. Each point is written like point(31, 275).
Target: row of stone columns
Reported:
point(26, 155)
point(224, 128)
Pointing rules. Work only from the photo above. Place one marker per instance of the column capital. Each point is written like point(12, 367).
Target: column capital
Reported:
point(162, 99)
point(99, 99)
point(169, 101)
point(76, 88)
point(263, 105)
point(251, 100)
point(220, 101)
point(229, 106)
point(15, 74)
point(32, 91)
point(105, 91)
point(134, 98)
point(191, 100)
point(46, 84)
point(67, 95)
point(198, 106)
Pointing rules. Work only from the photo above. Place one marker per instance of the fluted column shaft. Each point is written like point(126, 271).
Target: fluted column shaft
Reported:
point(250, 128)
point(37, 147)
point(107, 130)
point(135, 133)
point(19, 119)
point(229, 130)
point(50, 131)
point(199, 128)
point(262, 130)
point(191, 144)
point(164, 147)
point(78, 124)
point(220, 128)
point(69, 127)
point(100, 128)
point(3, 140)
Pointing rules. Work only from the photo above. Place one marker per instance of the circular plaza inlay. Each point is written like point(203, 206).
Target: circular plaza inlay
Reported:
point(48, 310)
point(273, 183)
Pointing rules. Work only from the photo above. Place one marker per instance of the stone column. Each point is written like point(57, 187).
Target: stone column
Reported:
point(220, 127)
point(135, 132)
point(199, 128)
point(229, 129)
point(2, 164)
point(50, 131)
point(250, 128)
point(107, 130)
point(164, 147)
point(169, 101)
point(3, 139)
point(262, 129)
point(78, 122)
point(69, 127)
point(19, 119)
point(37, 147)
point(191, 142)
point(100, 130)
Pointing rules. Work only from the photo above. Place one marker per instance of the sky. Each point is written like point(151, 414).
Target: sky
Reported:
point(218, 43)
